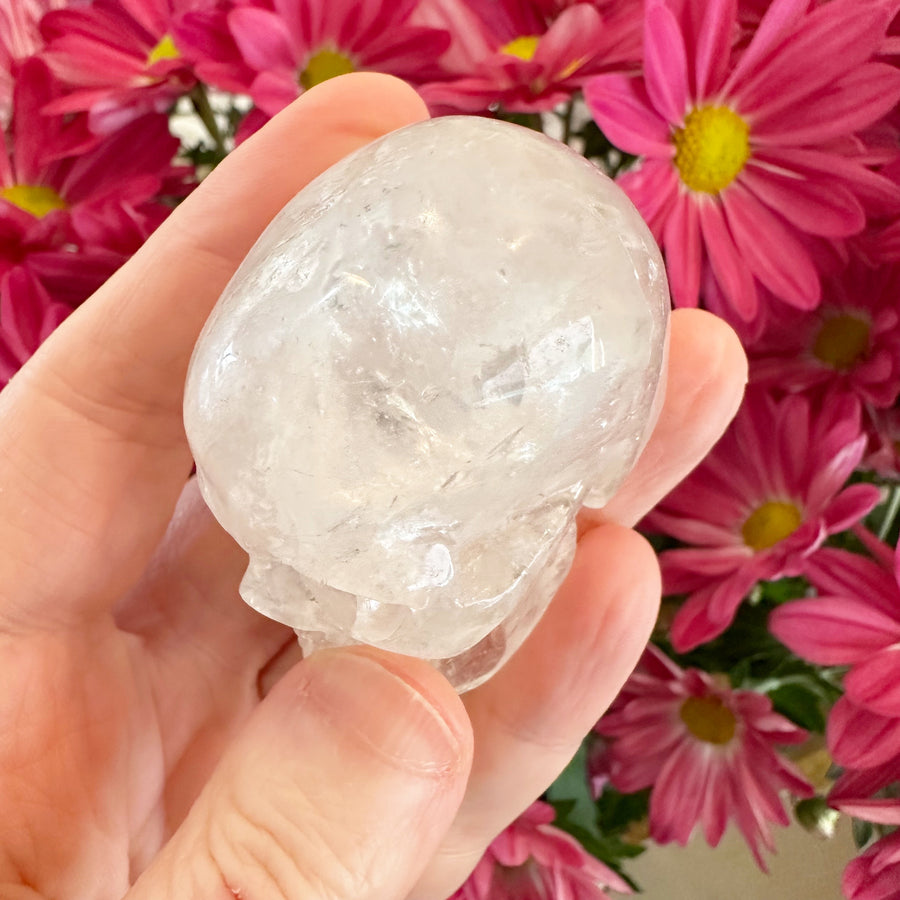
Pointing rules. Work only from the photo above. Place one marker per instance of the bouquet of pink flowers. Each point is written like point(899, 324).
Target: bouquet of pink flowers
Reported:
point(760, 140)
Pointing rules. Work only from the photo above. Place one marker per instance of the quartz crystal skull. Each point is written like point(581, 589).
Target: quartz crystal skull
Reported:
point(435, 354)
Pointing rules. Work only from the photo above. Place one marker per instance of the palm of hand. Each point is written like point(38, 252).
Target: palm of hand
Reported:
point(110, 736)
point(130, 667)
point(79, 712)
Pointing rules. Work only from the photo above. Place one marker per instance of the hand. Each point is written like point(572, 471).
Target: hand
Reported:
point(152, 723)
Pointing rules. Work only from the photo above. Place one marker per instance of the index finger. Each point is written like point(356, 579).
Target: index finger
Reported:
point(93, 454)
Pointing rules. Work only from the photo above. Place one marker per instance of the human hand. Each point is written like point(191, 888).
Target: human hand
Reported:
point(152, 723)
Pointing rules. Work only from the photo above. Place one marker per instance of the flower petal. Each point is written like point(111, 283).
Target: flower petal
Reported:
point(728, 266)
point(708, 612)
point(846, 574)
point(683, 251)
point(858, 100)
point(851, 506)
point(653, 188)
point(775, 256)
point(780, 19)
point(875, 682)
point(835, 32)
point(817, 207)
point(665, 62)
point(833, 631)
point(570, 41)
point(621, 107)
point(714, 47)
point(263, 38)
point(859, 738)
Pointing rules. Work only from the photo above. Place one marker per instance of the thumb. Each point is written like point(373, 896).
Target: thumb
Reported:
point(340, 787)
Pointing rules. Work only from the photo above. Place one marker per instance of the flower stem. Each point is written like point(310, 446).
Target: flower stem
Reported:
point(203, 108)
point(890, 513)
point(567, 121)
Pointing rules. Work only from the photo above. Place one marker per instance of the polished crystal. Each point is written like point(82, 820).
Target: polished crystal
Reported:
point(435, 354)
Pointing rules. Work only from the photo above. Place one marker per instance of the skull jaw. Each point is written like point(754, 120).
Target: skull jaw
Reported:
point(467, 654)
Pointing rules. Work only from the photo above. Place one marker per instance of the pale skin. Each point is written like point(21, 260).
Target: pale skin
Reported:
point(160, 739)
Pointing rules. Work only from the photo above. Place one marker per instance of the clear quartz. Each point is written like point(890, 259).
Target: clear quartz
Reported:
point(436, 353)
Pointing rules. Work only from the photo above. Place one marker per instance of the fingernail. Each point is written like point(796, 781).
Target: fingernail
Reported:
point(374, 699)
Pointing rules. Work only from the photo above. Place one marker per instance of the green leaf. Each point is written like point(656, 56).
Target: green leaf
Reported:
point(776, 592)
point(601, 826)
point(816, 816)
point(616, 811)
point(534, 121)
point(801, 704)
point(571, 795)
point(863, 832)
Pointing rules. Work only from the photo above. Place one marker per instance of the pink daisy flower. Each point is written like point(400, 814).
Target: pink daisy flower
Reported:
point(747, 148)
point(532, 859)
point(528, 55)
point(707, 751)
point(300, 43)
point(118, 57)
point(875, 875)
point(72, 207)
point(760, 505)
point(850, 343)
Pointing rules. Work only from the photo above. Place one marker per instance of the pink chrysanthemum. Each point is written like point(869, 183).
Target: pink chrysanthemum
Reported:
point(705, 749)
point(850, 343)
point(875, 875)
point(528, 56)
point(72, 207)
point(745, 148)
point(532, 859)
point(59, 178)
point(118, 58)
point(300, 43)
point(760, 505)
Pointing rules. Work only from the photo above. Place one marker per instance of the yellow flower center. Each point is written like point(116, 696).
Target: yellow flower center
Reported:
point(165, 49)
point(770, 523)
point(37, 199)
point(323, 65)
point(523, 46)
point(708, 719)
point(711, 149)
point(842, 341)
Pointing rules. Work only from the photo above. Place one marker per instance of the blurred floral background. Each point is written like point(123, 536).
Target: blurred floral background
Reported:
point(761, 142)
